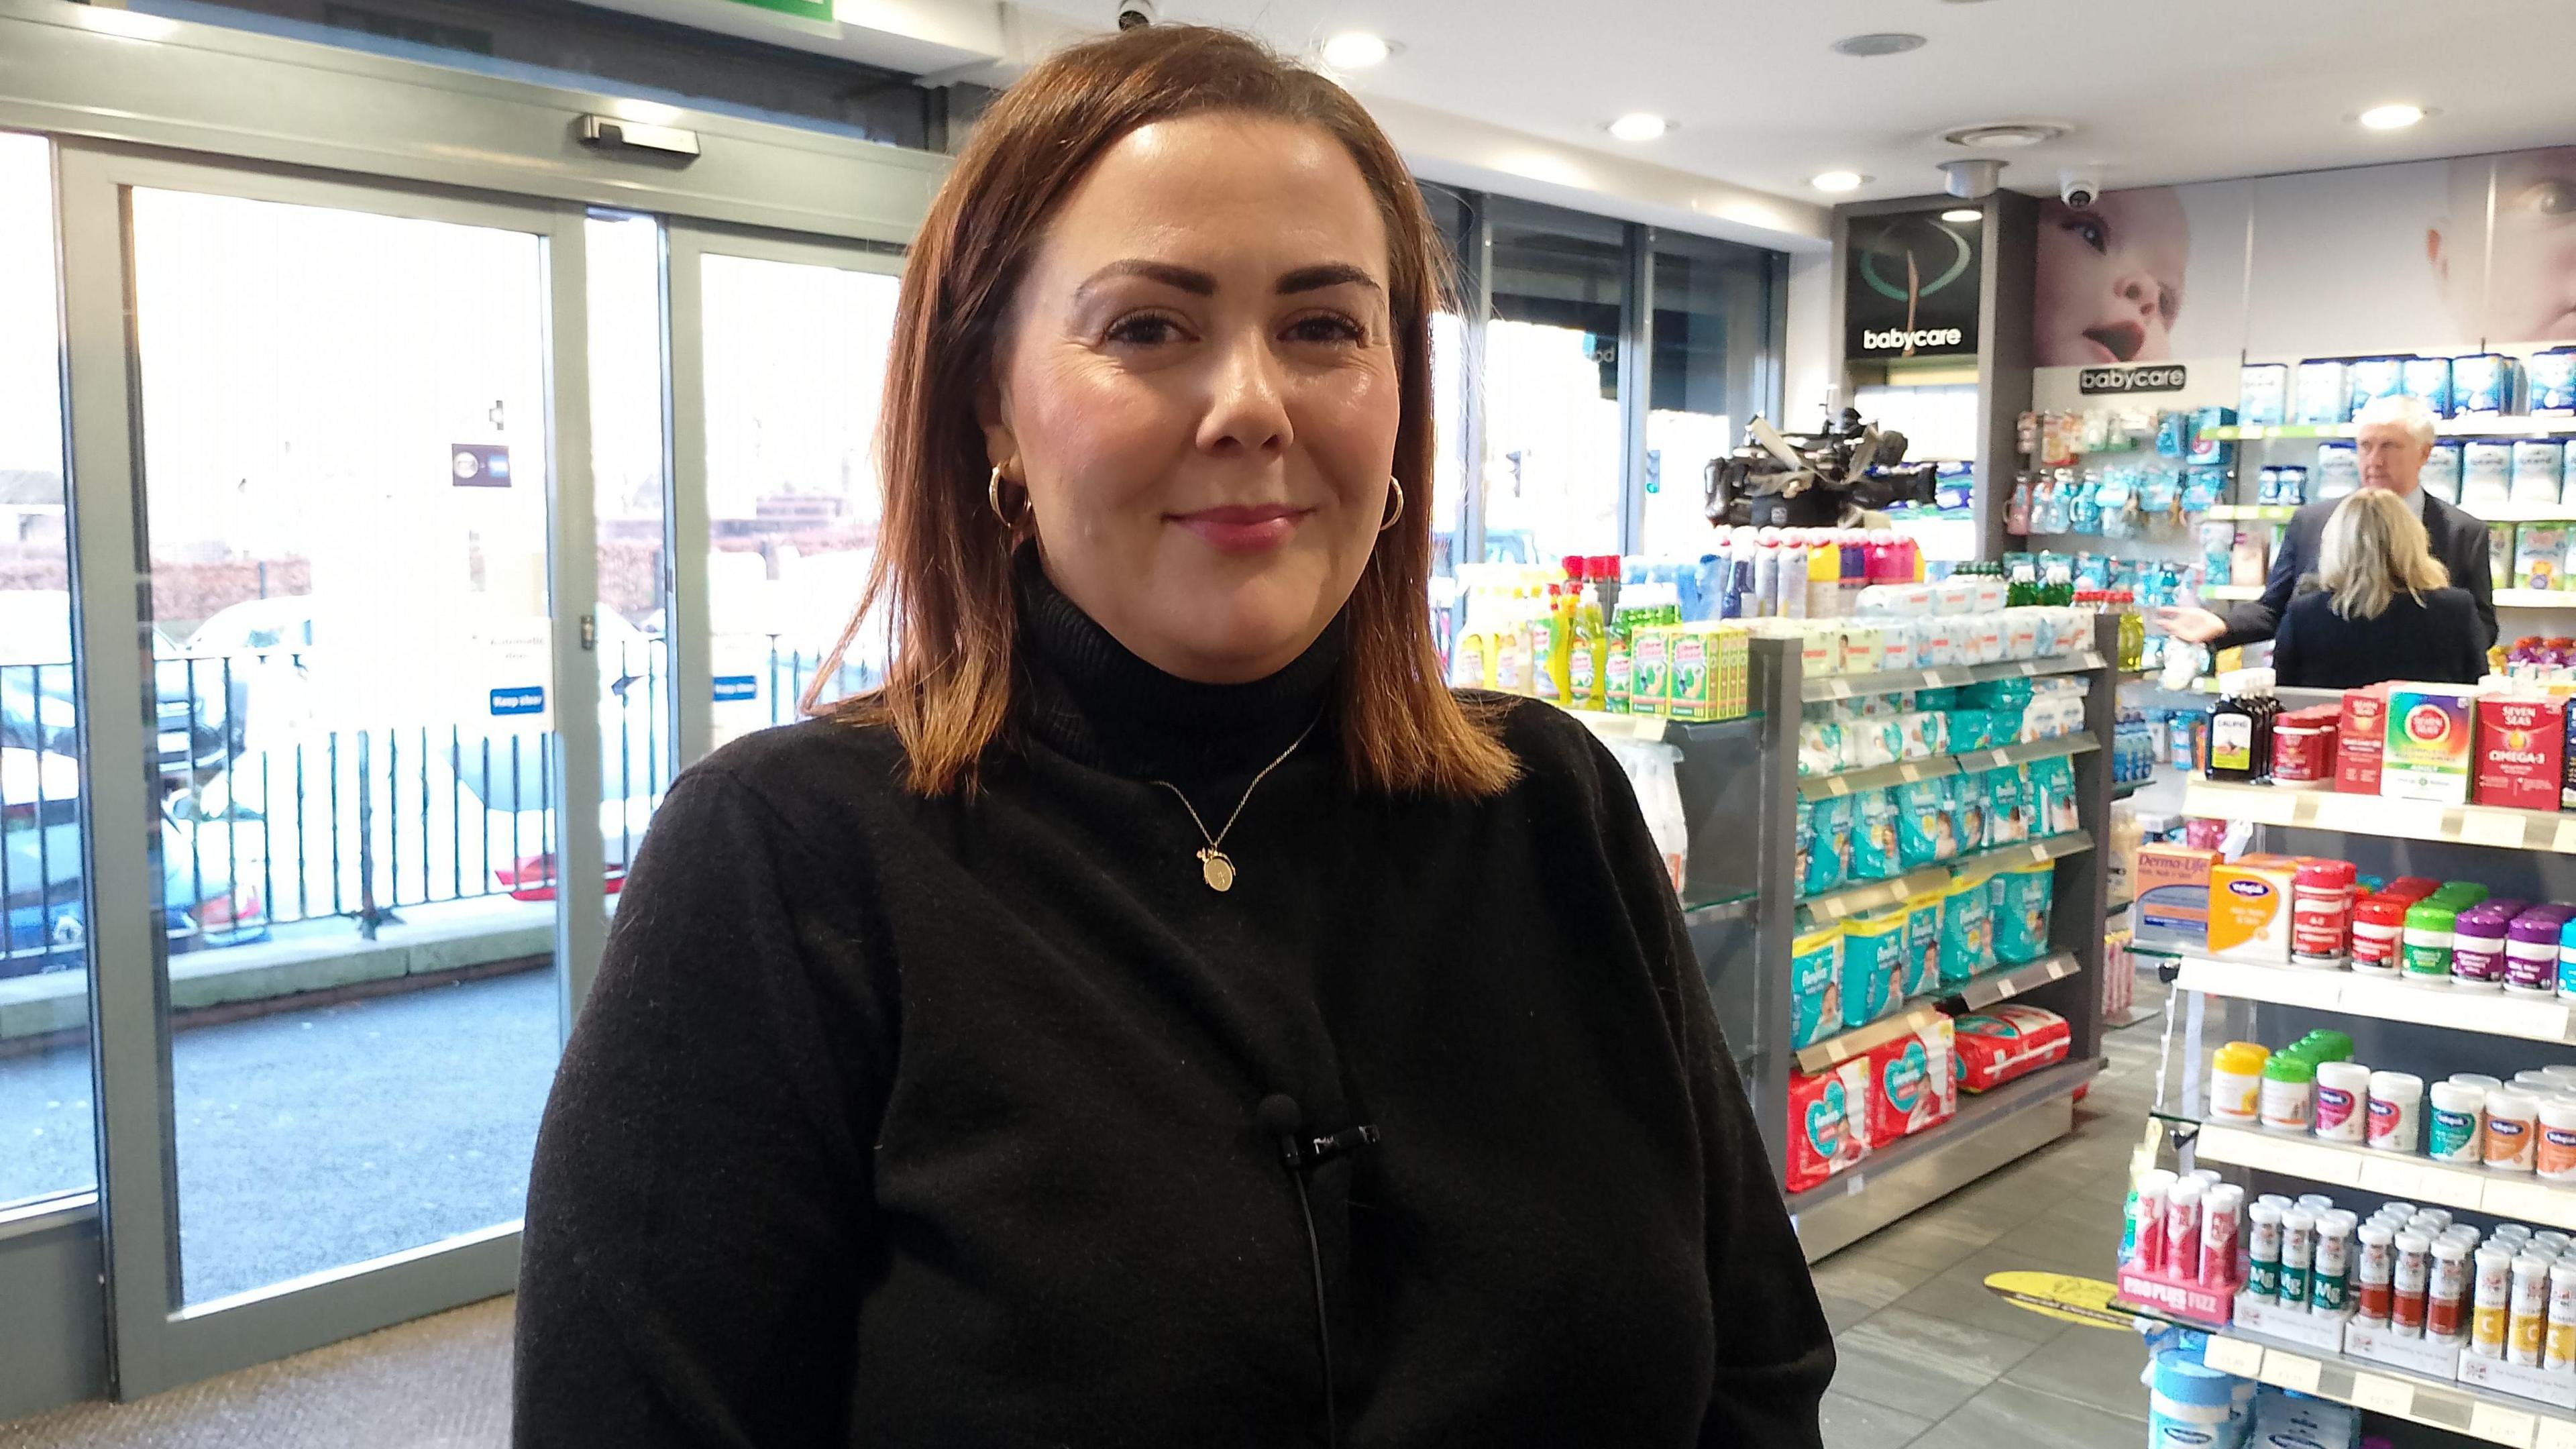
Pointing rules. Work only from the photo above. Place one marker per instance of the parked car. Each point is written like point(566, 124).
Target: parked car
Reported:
point(197, 714)
point(43, 912)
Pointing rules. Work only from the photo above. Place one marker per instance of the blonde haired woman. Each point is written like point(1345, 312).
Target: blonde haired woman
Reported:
point(2383, 607)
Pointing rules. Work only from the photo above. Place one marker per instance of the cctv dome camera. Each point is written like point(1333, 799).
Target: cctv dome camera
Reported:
point(1132, 13)
point(2078, 190)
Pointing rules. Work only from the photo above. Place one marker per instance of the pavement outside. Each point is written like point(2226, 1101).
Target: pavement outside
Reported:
point(319, 1136)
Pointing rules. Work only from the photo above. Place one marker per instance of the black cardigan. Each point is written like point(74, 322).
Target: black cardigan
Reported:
point(931, 1122)
point(2436, 641)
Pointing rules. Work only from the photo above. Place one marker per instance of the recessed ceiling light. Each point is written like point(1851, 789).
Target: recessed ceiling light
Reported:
point(1639, 126)
point(1884, 42)
point(1837, 181)
point(1962, 213)
point(1356, 50)
point(2392, 118)
point(2005, 134)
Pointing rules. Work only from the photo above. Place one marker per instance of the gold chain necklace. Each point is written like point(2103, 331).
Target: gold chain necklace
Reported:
point(1215, 866)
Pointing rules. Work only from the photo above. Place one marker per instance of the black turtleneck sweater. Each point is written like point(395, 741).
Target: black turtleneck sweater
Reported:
point(930, 1123)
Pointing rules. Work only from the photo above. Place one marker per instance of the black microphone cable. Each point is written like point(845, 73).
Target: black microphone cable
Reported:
point(1280, 1118)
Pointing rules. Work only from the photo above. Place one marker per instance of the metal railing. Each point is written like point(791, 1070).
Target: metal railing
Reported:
point(265, 823)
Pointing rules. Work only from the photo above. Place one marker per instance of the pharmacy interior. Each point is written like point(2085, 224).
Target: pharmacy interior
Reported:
point(2349, 1215)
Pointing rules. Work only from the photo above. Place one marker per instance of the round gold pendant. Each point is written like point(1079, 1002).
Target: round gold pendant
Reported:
point(1216, 869)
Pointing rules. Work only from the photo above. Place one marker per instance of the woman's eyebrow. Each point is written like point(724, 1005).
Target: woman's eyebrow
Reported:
point(1327, 274)
point(1186, 279)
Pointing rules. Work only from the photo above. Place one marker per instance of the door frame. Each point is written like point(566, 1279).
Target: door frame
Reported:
point(154, 1341)
point(687, 530)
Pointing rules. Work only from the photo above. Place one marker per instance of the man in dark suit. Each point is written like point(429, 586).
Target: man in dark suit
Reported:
point(2394, 438)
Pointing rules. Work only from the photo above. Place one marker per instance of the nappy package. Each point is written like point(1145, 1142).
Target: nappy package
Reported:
point(1815, 977)
point(1922, 944)
point(1828, 1123)
point(1967, 939)
point(1912, 1084)
point(1874, 853)
point(2021, 920)
point(1873, 966)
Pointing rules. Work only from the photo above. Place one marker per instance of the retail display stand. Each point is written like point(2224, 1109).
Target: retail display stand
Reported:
point(2397, 1025)
point(1741, 898)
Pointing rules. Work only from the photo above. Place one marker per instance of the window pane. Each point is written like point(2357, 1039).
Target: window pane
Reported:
point(1712, 326)
point(45, 1114)
point(1551, 404)
point(624, 255)
point(795, 362)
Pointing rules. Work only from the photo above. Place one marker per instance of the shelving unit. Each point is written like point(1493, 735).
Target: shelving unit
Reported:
point(2392, 1174)
point(2461, 1408)
point(2350, 814)
point(1907, 772)
point(2477, 427)
point(1741, 804)
point(2395, 1024)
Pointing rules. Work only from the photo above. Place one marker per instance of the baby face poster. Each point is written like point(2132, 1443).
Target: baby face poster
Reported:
point(2461, 255)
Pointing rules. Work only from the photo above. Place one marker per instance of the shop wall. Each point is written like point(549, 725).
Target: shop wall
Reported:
point(1806, 369)
point(2319, 264)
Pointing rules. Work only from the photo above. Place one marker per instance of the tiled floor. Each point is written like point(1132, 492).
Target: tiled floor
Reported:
point(1931, 1358)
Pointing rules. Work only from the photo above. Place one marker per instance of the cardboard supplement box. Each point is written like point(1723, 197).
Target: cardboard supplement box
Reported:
point(2361, 739)
point(2249, 909)
point(2432, 733)
point(2173, 897)
point(2522, 745)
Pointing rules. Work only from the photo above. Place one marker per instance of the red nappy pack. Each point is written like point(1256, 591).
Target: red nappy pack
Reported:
point(1993, 1047)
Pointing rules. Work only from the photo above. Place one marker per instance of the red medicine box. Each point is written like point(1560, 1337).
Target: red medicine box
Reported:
point(2521, 744)
point(2363, 731)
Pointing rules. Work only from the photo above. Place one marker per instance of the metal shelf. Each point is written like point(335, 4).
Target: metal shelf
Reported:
point(2496, 1418)
point(1658, 727)
point(1991, 1129)
point(1979, 992)
point(1906, 772)
point(1897, 681)
point(2405, 1176)
point(2477, 427)
point(2527, 1018)
point(1713, 909)
point(1850, 900)
point(2355, 814)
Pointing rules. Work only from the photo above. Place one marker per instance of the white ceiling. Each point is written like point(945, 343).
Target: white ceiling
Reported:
point(2157, 90)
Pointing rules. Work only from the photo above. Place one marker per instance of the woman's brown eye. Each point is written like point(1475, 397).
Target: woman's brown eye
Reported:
point(1326, 329)
point(1143, 331)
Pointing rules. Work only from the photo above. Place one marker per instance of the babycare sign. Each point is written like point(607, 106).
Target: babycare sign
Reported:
point(1910, 287)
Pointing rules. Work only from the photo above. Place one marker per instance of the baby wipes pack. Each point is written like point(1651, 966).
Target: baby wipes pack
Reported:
point(1925, 832)
point(2537, 463)
point(1967, 934)
point(1922, 944)
point(2486, 473)
point(1874, 851)
point(2021, 924)
point(1816, 989)
point(1873, 966)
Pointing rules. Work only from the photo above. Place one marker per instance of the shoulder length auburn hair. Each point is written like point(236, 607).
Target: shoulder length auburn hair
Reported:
point(942, 573)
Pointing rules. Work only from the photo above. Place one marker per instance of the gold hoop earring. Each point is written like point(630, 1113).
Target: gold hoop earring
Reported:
point(1398, 485)
point(993, 498)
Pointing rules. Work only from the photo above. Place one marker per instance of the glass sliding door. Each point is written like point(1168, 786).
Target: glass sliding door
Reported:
point(1551, 406)
point(629, 449)
point(774, 437)
point(375, 751)
point(48, 1141)
point(1712, 370)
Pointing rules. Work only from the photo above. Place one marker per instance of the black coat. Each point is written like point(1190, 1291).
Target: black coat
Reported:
point(2435, 641)
point(932, 1122)
point(2458, 540)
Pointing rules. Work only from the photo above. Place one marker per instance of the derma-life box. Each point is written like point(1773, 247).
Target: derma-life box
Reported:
point(2431, 743)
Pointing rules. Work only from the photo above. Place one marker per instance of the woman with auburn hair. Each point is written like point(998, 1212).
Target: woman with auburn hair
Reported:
point(1163, 1014)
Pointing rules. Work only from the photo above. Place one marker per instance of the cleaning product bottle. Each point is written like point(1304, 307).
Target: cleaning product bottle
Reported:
point(1511, 646)
point(1824, 574)
point(2017, 512)
point(1560, 644)
point(1617, 666)
point(1589, 662)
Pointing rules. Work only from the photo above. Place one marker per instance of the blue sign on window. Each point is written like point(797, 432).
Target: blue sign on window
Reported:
point(530, 700)
point(732, 687)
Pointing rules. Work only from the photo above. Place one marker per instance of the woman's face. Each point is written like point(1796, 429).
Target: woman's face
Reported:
point(2110, 278)
point(1198, 388)
point(2531, 291)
